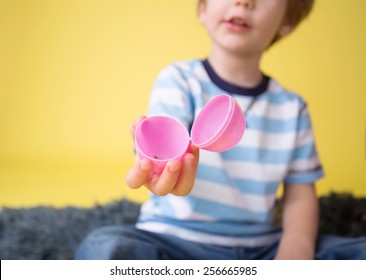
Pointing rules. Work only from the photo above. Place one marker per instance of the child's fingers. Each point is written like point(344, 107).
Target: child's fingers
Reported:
point(188, 174)
point(139, 173)
point(193, 150)
point(165, 182)
point(135, 124)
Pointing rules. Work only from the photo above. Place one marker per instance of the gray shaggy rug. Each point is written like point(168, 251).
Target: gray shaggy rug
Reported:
point(46, 233)
point(42, 233)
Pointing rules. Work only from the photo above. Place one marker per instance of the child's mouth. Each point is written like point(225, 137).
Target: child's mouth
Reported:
point(237, 24)
point(238, 21)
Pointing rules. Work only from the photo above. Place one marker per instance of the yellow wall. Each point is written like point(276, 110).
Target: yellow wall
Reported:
point(75, 73)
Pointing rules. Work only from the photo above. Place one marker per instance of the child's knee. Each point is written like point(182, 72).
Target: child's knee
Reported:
point(98, 244)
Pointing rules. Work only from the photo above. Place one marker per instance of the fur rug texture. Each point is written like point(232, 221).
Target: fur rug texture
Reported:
point(47, 233)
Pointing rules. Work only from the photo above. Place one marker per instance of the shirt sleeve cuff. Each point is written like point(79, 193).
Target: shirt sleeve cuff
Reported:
point(304, 178)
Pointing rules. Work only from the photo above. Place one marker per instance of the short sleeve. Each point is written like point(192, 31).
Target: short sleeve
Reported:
point(170, 96)
point(305, 165)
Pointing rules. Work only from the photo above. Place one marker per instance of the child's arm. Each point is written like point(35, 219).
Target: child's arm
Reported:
point(300, 222)
point(177, 178)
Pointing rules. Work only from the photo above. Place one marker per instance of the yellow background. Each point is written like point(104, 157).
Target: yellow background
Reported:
point(75, 73)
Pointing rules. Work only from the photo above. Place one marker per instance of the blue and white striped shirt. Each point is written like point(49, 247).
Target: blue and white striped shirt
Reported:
point(232, 201)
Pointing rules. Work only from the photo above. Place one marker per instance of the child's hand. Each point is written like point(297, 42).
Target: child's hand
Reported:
point(177, 177)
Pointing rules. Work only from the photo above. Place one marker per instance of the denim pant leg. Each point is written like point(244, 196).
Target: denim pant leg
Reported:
point(129, 243)
point(266, 252)
point(331, 247)
point(117, 242)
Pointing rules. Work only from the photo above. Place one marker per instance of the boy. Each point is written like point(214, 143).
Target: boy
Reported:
point(219, 205)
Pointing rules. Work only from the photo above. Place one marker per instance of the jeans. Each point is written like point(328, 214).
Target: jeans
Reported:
point(129, 243)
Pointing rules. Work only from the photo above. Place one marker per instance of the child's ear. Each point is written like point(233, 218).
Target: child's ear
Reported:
point(201, 8)
point(285, 30)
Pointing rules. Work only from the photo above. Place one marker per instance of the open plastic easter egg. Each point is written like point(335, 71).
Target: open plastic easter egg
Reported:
point(161, 139)
point(218, 127)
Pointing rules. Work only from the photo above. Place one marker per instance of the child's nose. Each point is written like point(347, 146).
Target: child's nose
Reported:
point(249, 4)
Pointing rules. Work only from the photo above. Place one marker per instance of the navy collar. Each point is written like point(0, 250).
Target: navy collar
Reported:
point(234, 89)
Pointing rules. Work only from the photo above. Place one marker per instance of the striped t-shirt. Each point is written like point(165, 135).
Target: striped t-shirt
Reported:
point(232, 201)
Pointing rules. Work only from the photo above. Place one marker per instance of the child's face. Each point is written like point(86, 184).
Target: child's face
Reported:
point(243, 26)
